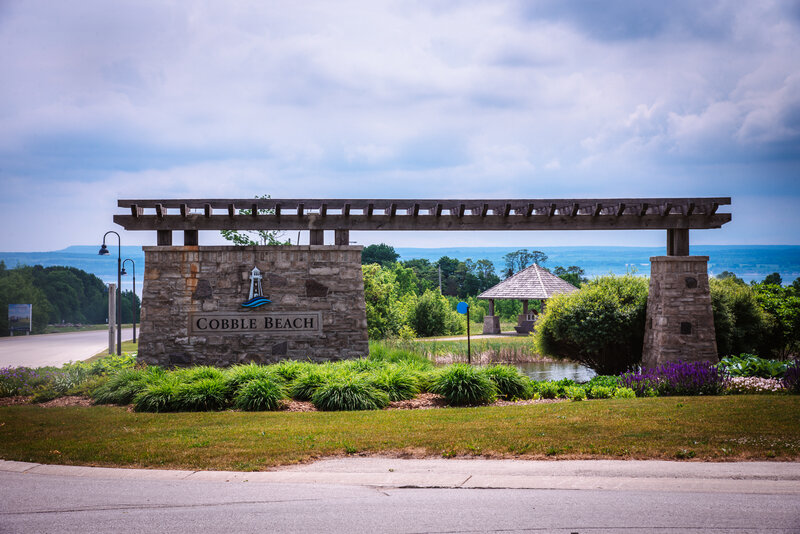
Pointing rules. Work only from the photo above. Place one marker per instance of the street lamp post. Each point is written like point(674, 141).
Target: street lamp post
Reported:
point(103, 251)
point(133, 300)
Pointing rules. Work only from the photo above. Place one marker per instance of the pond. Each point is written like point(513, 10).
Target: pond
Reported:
point(555, 371)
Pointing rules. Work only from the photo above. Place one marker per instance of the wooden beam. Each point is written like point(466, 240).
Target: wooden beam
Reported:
point(423, 222)
point(438, 210)
point(529, 211)
point(667, 209)
point(678, 242)
point(160, 212)
point(277, 210)
point(190, 238)
point(184, 210)
point(231, 210)
point(415, 210)
point(341, 237)
point(462, 209)
point(164, 238)
point(135, 210)
point(346, 210)
point(507, 210)
point(552, 210)
point(714, 208)
point(370, 209)
point(597, 209)
point(323, 210)
point(207, 210)
point(484, 209)
point(620, 209)
point(689, 208)
point(300, 209)
point(317, 237)
point(574, 209)
point(643, 211)
point(393, 209)
point(254, 210)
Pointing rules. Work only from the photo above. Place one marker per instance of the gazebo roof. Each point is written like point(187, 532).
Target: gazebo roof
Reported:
point(530, 283)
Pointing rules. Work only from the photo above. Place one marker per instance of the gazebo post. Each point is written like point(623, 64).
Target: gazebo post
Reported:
point(491, 323)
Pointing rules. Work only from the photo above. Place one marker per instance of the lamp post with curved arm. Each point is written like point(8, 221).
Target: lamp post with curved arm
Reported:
point(133, 299)
point(103, 251)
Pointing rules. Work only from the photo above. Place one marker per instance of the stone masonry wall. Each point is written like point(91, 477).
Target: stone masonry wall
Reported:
point(180, 281)
point(680, 321)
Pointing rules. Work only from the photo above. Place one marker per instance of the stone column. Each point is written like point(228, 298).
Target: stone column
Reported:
point(491, 323)
point(680, 321)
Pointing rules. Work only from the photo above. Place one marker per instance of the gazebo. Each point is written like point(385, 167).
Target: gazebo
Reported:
point(531, 283)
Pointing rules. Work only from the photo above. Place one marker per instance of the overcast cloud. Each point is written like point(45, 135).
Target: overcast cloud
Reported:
point(104, 100)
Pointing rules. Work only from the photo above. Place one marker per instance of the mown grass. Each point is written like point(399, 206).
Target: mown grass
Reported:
point(743, 427)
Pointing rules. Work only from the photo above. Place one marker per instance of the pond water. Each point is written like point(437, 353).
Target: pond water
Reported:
point(555, 371)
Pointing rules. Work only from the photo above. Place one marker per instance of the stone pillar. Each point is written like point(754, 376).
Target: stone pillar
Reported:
point(680, 321)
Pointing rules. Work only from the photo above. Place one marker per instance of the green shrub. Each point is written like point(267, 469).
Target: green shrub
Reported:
point(45, 394)
point(601, 325)
point(398, 382)
point(349, 392)
point(509, 382)
point(260, 394)
point(464, 385)
point(740, 323)
point(606, 381)
point(624, 393)
point(88, 386)
point(548, 390)
point(159, 396)
point(360, 365)
point(205, 394)
point(575, 393)
point(600, 392)
point(432, 316)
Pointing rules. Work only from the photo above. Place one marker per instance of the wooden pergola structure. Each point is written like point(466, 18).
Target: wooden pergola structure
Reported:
point(675, 215)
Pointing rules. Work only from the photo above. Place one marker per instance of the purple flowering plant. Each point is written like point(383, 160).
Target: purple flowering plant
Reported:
point(791, 378)
point(678, 378)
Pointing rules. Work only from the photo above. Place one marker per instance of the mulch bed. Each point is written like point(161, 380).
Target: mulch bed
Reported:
point(423, 401)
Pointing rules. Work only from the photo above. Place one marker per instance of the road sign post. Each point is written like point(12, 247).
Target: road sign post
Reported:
point(463, 308)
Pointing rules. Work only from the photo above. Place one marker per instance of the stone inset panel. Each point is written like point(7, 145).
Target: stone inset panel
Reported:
point(316, 313)
point(680, 321)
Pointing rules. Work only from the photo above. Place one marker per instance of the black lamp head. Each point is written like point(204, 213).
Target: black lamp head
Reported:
point(122, 272)
point(103, 250)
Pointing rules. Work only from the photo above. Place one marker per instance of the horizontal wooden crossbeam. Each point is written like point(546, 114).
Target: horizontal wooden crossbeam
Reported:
point(423, 214)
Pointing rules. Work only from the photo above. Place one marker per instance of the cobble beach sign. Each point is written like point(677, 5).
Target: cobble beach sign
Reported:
point(242, 323)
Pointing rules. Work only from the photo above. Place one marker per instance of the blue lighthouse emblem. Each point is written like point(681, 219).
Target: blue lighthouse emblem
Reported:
point(257, 297)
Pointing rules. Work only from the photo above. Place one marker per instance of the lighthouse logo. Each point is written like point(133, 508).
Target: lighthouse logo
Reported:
point(257, 297)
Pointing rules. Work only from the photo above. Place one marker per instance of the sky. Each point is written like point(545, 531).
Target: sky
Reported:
point(431, 99)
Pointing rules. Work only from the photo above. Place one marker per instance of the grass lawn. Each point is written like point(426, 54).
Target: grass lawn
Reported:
point(704, 428)
point(58, 329)
point(127, 348)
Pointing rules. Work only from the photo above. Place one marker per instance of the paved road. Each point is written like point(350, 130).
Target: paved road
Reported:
point(37, 498)
point(54, 349)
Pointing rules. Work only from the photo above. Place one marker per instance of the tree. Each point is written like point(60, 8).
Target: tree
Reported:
point(796, 284)
point(725, 275)
point(380, 296)
point(520, 259)
point(383, 254)
point(246, 238)
point(782, 304)
point(774, 278)
point(740, 323)
point(16, 287)
point(432, 316)
point(572, 274)
point(601, 325)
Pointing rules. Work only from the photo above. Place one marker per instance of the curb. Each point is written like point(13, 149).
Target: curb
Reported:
point(772, 478)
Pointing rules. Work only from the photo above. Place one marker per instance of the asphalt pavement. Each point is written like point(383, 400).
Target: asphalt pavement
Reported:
point(393, 495)
point(54, 349)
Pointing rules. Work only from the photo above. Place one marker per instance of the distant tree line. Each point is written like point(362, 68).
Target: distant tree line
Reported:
point(59, 295)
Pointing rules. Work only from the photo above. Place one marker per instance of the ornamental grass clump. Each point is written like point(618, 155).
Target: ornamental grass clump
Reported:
point(239, 375)
point(205, 394)
point(200, 372)
point(123, 386)
point(398, 382)
point(510, 383)
point(349, 392)
point(289, 370)
point(305, 385)
point(464, 385)
point(260, 394)
point(159, 396)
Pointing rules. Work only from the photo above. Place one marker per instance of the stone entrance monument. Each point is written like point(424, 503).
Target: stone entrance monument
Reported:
point(224, 305)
